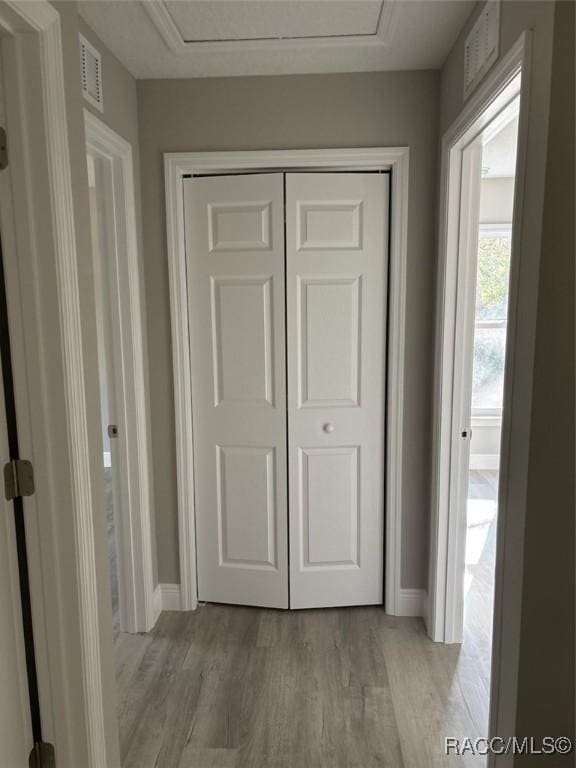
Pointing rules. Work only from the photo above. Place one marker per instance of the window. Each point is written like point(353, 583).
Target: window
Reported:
point(492, 278)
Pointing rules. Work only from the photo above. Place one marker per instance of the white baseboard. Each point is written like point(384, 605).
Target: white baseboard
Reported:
point(412, 602)
point(484, 461)
point(157, 601)
point(171, 597)
point(166, 598)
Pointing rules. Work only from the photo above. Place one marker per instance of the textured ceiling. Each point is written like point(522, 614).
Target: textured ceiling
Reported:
point(200, 38)
point(225, 20)
point(499, 154)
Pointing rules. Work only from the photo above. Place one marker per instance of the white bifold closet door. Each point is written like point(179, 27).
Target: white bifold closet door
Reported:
point(235, 253)
point(321, 452)
point(336, 257)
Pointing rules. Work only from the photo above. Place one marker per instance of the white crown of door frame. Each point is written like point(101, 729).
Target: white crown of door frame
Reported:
point(179, 165)
point(137, 612)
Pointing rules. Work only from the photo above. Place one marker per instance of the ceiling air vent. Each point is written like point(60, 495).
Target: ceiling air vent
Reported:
point(91, 73)
point(481, 46)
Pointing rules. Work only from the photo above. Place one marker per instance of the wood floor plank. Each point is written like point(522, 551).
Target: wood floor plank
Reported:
point(148, 727)
point(372, 732)
point(209, 758)
point(427, 708)
point(236, 687)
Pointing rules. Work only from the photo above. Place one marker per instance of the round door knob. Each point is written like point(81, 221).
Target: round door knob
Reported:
point(328, 428)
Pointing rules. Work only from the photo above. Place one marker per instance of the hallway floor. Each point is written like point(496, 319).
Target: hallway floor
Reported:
point(234, 687)
point(112, 551)
point(479, 578)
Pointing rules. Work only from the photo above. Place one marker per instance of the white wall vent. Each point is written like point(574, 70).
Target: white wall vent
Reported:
point(481, 46)
point(91, 73)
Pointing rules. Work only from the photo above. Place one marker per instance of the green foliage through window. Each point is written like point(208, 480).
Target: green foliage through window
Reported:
point(492, 280)
point(492, 277)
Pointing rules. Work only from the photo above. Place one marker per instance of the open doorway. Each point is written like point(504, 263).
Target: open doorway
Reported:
point(483, 166)
point(489, 286)
point(126, 472)
point(106, 379)
point(474, 408)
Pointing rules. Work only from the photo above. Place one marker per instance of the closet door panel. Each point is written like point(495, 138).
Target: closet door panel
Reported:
point(336, 279)
point(235, 262)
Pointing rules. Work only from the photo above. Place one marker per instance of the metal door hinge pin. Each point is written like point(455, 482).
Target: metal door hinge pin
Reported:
point(42, 756)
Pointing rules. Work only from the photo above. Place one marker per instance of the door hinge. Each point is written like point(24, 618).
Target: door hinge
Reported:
point(42, 756)
point(18, 479)
point(3, 149)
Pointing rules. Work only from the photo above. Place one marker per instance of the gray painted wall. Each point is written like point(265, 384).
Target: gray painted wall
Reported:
point(358, 110)
point(120, 111)
point(496, 200)
point(546, 691)
point(516, 16)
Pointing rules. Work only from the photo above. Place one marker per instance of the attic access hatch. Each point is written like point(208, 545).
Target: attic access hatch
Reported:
point(481, 46)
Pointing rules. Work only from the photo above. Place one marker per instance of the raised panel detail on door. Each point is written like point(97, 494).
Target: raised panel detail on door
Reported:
point(235, 272)
point(336, 288)
point(246, 506)
point(332, 225)
point(329, 341)
point(239, 226)
point(242, 339)
point(329, 491)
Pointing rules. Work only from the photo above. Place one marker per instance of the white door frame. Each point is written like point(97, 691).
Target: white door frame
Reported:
point(73, 645)
point(497, 90)
point(122, 270)
point(463, 354)
point(179, 165)
point(456, 196)
point(459, 312)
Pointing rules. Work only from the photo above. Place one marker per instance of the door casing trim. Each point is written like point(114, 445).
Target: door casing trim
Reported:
point(489, 100)
point(182, 164)
point(47, 324)
point(133, 448)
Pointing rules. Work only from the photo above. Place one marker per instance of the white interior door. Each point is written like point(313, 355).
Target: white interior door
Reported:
point(15, 727)
point(462, 387)
point(235, 254)
point(16, 740)
point(336, 254)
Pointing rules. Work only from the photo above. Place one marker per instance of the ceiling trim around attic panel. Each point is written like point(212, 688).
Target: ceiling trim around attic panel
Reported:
point(265, 24)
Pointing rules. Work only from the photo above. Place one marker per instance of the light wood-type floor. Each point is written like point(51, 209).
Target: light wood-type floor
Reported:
point(112, 550)
point(483, 484)
point(479, 600)
point(234, 687)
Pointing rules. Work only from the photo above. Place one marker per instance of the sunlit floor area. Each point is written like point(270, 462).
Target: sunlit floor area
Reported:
point(479, 581)
point(112, 550)
point(235, 687)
